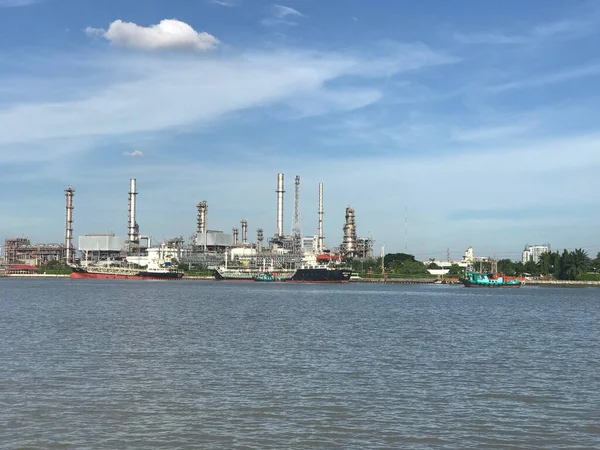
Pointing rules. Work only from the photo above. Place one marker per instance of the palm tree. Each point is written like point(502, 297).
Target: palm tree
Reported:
point(576, 263)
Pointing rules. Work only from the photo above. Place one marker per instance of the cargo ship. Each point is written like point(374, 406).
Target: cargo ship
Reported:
point(159, 268)
point(313, 269)
point(323, 268)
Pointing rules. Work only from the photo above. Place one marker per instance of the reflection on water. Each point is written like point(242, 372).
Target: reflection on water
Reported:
point(108, 364)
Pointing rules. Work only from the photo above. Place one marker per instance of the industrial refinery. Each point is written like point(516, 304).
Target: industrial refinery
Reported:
point(206, 248)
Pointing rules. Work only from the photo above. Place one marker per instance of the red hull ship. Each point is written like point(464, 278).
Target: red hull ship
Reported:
point(159, 267)
point(141, 275)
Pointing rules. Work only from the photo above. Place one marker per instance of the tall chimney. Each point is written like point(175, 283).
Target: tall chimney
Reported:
point(280, 192)
point(297, 230)
point(244, 231)
point(132, 233)
point(235, 236)
point(69, 193)
point(320, 243)
point(259, 238)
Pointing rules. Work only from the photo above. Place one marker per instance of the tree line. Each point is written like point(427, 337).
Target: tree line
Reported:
point(568, 265)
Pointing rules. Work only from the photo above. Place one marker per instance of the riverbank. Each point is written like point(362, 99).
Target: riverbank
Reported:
point(538, 283)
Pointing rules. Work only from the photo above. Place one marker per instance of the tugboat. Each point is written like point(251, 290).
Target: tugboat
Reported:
point(265, 276)
point(476, 279)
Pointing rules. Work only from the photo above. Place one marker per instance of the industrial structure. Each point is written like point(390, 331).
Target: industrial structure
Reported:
point(320, 242)
point(21, 251)
point(349, 243)
point(133, 230)
point(205, 247)
point(244, 224)
point(69, 250)
point(280, 191)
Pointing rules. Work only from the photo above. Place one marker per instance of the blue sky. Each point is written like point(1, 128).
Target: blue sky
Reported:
point(478, 118)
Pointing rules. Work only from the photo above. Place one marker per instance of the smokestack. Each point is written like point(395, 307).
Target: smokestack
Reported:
point(297, 231)
point(69, 193)
point(259, 238)
point(132, 233)
point(235, 236)
point(244, 231)
point(280, 192)
point(320, 244)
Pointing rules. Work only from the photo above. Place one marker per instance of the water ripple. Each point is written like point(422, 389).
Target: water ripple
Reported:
point(107, 365)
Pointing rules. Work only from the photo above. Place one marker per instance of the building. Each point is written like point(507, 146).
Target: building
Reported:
point(309, 243)
point(534, 252)
point(468, 257)
point(101, 246)
point(215, 241)
point(22, 269)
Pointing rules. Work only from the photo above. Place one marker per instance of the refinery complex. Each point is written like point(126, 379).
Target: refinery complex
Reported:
point(207, 247)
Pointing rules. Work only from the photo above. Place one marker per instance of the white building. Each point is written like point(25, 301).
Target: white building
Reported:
point(468, 257)
point(310, 243)
point(533, 252)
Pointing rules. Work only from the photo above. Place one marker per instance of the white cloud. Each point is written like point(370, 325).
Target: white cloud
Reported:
point(135, 154)
point(17, 3)
point(169, 34)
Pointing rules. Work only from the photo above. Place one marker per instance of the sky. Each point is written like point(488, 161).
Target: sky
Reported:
point(443, 124)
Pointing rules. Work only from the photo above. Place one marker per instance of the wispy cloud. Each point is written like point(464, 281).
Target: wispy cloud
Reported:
point(169, 34)
point(151, 94)
point(488, 133)
point(227, 3)
point(282, 15)
point(563, 29)
point(17, 3)
point(591, 70)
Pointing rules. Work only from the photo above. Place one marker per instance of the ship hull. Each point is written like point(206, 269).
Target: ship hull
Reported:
point(469, 284)
point(85, 275)
point(235, 275)
point(321, 275)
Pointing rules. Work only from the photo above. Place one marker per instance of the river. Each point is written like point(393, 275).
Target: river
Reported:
point(114, 365)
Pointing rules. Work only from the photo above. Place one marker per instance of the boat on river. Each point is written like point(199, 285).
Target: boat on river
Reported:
point(477, 279)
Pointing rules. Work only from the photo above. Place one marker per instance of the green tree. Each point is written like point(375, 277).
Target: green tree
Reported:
point(456, 271)
point(506, 266)
point(556, 265)
point(595, 263)
point(576, 264)
point(545, 264)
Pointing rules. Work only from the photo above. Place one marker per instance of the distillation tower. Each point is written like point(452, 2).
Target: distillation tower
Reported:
point(201, 221)
point(350, 238)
